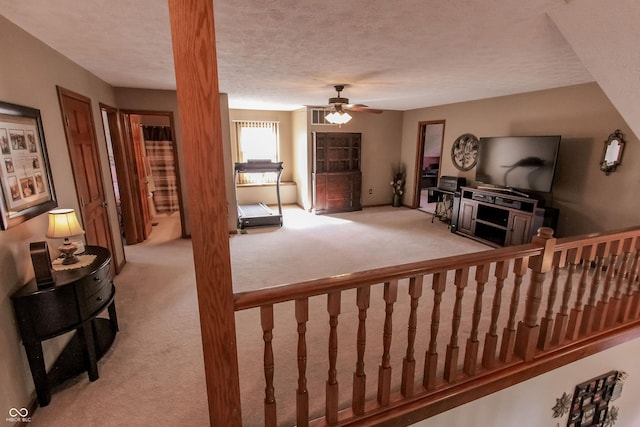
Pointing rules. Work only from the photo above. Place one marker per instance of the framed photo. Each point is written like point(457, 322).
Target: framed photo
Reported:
point(26, 187)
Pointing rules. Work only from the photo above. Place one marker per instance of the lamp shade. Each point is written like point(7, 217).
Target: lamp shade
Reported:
point(63, 223)
point(338, 117)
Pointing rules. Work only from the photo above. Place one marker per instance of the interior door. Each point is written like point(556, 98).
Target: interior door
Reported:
point(428, 159)
point(142, 172)
point(85, 161)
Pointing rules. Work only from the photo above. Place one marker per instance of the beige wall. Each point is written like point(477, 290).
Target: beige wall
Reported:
point(28, 77)
point(381, 143)
point(301, 174)
point(167, 101)
point(588, 200)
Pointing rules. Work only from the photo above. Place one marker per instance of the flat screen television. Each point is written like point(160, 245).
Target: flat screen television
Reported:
point(524, 163)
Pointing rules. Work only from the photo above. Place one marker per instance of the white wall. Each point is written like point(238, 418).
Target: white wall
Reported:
point(529, 403)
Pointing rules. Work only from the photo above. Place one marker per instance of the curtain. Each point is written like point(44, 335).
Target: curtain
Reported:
point(159, 145)
point(256, 140)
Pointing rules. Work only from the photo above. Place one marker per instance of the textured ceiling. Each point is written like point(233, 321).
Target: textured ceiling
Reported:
point(284, 54)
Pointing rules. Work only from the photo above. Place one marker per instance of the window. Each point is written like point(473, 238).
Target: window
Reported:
point(257, 140)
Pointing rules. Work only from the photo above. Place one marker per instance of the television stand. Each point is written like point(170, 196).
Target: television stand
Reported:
point(496, 218)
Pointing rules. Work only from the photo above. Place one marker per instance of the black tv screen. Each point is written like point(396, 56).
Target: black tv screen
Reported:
point(519, 162)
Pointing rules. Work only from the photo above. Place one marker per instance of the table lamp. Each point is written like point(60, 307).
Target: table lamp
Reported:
point(63, 224)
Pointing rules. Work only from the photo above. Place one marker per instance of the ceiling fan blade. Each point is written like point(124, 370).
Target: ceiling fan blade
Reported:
point(362, 108)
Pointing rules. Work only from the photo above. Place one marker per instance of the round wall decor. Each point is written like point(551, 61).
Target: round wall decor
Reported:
point(464, 152)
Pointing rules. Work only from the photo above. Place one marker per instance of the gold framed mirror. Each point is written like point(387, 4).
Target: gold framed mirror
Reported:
point(612, 153)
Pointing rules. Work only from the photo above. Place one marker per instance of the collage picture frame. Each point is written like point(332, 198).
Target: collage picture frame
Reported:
point(26, 185)
point(590, 403)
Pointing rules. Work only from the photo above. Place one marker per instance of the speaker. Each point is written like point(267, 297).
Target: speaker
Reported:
point(545, 217)
point(41, 264)
point(454, 211)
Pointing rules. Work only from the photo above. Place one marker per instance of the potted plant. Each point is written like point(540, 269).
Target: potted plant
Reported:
point(397, 183)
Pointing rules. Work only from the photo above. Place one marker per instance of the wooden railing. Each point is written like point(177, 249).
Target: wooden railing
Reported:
point(591, 296)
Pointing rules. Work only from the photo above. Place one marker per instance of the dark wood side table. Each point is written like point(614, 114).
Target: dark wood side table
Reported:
point(72, 303)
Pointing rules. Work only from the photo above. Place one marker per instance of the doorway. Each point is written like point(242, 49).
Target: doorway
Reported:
point(428, 160)
point(84, 154)
point(145, 173)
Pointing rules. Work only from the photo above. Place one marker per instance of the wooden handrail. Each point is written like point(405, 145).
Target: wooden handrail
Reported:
point(289, 292)
point(596, 276)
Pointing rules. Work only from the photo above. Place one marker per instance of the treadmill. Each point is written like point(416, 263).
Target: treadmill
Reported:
point(258, 214)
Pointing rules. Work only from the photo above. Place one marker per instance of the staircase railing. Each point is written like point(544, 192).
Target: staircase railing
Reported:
point(459, 340)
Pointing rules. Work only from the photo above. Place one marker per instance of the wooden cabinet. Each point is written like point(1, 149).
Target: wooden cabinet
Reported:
point(337, 179)
point(72, 303)
point(498, 219)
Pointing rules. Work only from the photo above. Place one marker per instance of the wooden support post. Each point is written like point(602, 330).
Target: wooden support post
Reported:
point(546, 324)
point(266, 320)
point(302, 394)
point(363, 297)
point(409, 361)
point(451, 360)
point(528, 328)
point(471, 351)
point(615, 303)
point(491, 338)
point(509, 334)
point(331, 398)
point(625, 309)
point(575, 318)
point(431, 359)
point(562, 318)
point(602, 307)
point(192, 30)
point(589, 315)
point(384, 370)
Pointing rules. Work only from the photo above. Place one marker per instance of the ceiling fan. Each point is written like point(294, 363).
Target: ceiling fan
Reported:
point(339, 104)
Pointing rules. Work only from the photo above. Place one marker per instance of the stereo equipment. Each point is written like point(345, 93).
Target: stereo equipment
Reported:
point(455, 211)
point(483, 197)
point(545, 217)
point(452, 183)
point(516, 204)
point(41, 264)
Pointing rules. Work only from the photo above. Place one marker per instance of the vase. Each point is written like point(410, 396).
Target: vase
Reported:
point(397, 200)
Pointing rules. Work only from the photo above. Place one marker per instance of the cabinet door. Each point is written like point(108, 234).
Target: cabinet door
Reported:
point(467, 217)
point(519, 229)
point(319, 192)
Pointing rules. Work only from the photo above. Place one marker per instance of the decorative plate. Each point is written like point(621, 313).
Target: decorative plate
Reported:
point(464, 152)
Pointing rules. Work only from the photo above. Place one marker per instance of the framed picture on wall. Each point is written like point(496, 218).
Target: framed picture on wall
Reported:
point(26, 187)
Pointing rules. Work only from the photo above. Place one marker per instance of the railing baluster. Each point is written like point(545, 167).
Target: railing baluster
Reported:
point(431, 358)
point(546, 323)
point(562, 317)
point(634, 298)
point(409, 362)
point(363, 298)
point(491, 337)
point(266, 320)
point(627, 298)
point(602, 306)
point(509, 333)
point(589, 310)
point(384, 371)
point(615, 303)
point(451, 360)
point(331, 404)
point(471, 351)
point(302, 394)
point(528, 328)
point(575, 318)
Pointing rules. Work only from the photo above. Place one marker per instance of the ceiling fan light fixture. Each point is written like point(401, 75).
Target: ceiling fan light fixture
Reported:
point(338, 118)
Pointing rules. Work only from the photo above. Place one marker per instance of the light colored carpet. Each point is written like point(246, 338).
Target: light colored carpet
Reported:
point(153, 374)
